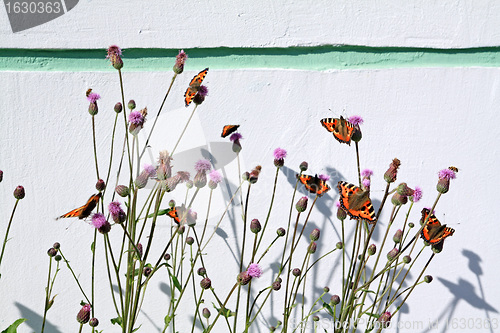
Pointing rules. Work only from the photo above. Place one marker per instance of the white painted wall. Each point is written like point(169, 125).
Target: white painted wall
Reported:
point(430, 118)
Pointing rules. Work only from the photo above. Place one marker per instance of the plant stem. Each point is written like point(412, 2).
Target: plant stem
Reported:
point(47, 296)
point(7, 232)
point(95, 147)
point(184, 130)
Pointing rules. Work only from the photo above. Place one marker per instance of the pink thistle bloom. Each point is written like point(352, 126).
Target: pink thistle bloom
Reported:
point(202, 91)
point(447, 174)
point(324, 177)
point(356, 120)
point(366, 173)
point(136, 118)
point(113, 50)
point(215, 176)
point(98, 220)
point(337, 204)
point(93, 97)
point(202, 166)
point(279, 153)
point(181, 58)
point(366, 183)
point(114, 208)
point(417, 194)
point(254, 270)
point(150, 170)
point(235, 137)
point(183, 175)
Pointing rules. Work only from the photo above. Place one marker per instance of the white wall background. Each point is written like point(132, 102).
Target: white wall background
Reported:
point(430, 118)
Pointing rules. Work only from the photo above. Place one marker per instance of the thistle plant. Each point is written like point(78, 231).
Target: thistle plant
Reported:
point(278, 252)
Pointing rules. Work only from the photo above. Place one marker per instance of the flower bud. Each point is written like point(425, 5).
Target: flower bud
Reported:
point(276, 285)
point(272, 329)
point(255, 226)
point(118, 107)
point(105, 228)
point(279, 279)
point(339, 245)
point(326, 289)
point(190, 240)
point(58, 258)
point(236, 146)
point(406, 259)
point(142, 179)
point(254, 175)
point(443, 185)
point(100, 185)
point(391, 174)
point(392, 254)
point(116, 61)
point(166, 256)
point(437, 248)
point(356, 134)
point(83, 315)
point(398, 199)
point(56, 246)
point(335, 299)
point(315, 318)
point(122, 190)
point(206, 313)
point(147, 271)
point(341, 214)
point(202, 271)
point(385, 319)
point(303, 166)
point(52, 252)
point(428, 278)
point(372, 249)
point(403, 189)
point(19, 192)
point(93, 322)
point(296, 272)
point(398, 236)
point(281, 232)
point(205, 283)
point(312, 248)
point(189, 184)
point(314, 236)
point(301, 205)
point(171, 203)
point(131, 104)
point(138, 256)
point(1, 176)
point(93, 108)
point(181, 229)
point(200, 179)
point(243, 278)
point(411, 225)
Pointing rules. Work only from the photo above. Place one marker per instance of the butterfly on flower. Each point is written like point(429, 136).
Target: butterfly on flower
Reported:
point(341, 129)
point(85, 210)
point(433, 232)
point(172, 212)
point(194, 86)
point(356, 202)
point(229, 129)
point(314, 184)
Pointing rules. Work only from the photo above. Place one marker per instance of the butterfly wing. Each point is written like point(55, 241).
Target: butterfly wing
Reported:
point(355, 202)
point(340, 128)
point(433, 232)
point(172, 212)
point(229, 129)
point(314, 184)
point(194, 85)
point(85, 210)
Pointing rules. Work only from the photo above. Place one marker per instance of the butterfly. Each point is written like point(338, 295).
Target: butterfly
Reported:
point(85, 210)
point(314, 184)
point(228, 129)
point(341, 129)
point(433, 232)
point(194, 85)
point(454, 169)
point(356, 202)
point(172, 212)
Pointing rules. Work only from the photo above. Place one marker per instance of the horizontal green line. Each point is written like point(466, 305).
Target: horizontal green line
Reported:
point(304, 58)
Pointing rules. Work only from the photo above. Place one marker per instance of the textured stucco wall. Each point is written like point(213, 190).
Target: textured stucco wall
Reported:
point(430, 114)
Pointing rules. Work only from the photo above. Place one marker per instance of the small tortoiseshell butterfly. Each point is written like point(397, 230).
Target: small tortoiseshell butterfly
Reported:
point(172, 212)
point(85, 210)
point(314, 184)
point(341, 129)
point(356, 202)
point(228, 129)
point(194, 85)
point(433, 232)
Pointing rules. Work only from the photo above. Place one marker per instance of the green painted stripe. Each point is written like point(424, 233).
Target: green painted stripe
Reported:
point(305, 58)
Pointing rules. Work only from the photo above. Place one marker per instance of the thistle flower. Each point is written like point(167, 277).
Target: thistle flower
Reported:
point(206, 313)
point(356, 120)
point(122, 190)
point(417, 194)
point(314, 236)
point(255, 226)
point(56, 246)
point(114, 55)
point(93, 108)
point(403, 189)
point(98, 220)
point(206, 283)
point(341, 214)
point(164, 170)
point(215, 178)
point(170, 184)
point(392, 173)
point(180, 59)
point(136, 121)
point(279, 157)
point(301, 205)
point(356, 135)
point(200, 179)
point(326, 289)
point(19, 192)
point(117, 213)
point(398, 199)
point(83, 315)
point(366, 173)
point(398, 236)
point(100, 185)
point(254, 270)
point(254, 174)
point(324, 177)
point(392, 254)
point(303, 166)
point(312, 248)
point(94, 322)
point(143, 177)
point(147, 271)
point(366, 184)
point(443, 184)
point(200, 95)
point(235, 139)
point(243, 278)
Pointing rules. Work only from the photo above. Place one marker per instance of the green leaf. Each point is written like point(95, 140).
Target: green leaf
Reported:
point(13, 328)
point(160, 212)
point(328, 308)
point(92, 247)
point(136, 329)
point(117, 320)
point(225, 312)
point(175, 281)
point(167, 320)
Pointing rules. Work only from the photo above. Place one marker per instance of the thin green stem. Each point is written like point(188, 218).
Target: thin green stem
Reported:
point(7, 232)
point(183, 131)
point(95, 147)
point(74, 276)
point(47, 296)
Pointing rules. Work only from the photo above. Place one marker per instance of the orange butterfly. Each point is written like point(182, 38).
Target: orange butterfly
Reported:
point(172, 212)
point(433, 232)
point(314, 184)
point(340, 128)
point(228, 129)
point(194, 85)
point(85, 210)
point(356, 202)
